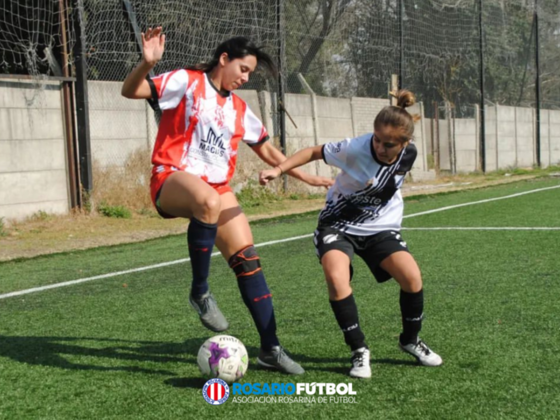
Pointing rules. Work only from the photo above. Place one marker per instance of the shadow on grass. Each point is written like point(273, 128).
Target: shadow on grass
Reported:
point(196, 383)
point(394, 362)
point(56, 352)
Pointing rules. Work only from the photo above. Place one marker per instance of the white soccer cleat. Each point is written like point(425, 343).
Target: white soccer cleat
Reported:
point(422, 353)
point(360, 364)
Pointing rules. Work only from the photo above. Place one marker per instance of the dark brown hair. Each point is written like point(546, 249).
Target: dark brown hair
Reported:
point(237, 47)
point(397, 116)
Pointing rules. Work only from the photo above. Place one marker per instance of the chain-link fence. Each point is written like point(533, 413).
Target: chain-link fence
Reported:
point(32, 37)
point(351, 48)
point(343, 48)
point(193, 30)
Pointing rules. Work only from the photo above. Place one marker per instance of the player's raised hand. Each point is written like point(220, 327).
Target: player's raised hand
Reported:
point(153, 43)
point(269, 175)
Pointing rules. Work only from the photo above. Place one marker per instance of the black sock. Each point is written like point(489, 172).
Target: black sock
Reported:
point(412, 311)
point(200, 238)
point(346, 314)
point(257, 298)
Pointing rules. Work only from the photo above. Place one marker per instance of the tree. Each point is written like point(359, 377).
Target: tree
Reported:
point(310, 23)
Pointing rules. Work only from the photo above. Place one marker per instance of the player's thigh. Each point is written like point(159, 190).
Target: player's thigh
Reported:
point(234, 232)
point(335, 251)
point(336, 266)
point(403, 268)
point(186, 195)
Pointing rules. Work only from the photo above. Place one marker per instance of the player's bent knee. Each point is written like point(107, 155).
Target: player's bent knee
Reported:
point(211, 203)
point(245, 262)
point(338, 285)
point(411, 284)
point(339, 293)
point(209, 206)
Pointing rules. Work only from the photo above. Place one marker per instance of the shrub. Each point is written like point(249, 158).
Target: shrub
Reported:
point(119, 212)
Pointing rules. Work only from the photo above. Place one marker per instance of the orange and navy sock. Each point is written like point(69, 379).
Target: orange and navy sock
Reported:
point(255, 294)
point(200, 237)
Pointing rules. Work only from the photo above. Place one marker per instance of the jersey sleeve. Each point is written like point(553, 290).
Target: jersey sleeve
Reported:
point(336, 154)
point(409, 157)
point(170, 88)
point(255, 132)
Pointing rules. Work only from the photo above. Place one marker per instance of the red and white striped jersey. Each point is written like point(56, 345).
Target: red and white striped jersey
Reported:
point(200, 130)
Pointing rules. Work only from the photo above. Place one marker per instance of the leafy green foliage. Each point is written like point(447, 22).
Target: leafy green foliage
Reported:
point(3, 231)
point(41, 215)
point(119, 212)
point(253, 195)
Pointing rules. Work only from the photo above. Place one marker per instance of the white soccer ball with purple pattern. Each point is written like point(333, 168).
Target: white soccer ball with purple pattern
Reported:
point(224, 357)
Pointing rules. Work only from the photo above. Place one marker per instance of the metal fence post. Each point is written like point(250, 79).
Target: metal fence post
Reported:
point(281, 81)
point(537, 86)
point(482, 148)
point(82, 107)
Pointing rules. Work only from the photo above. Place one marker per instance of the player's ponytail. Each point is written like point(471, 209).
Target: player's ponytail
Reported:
point(237, 47)
point(397, 116)
point(405, 98)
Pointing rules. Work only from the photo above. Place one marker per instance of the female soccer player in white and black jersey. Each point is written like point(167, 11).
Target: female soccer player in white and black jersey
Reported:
point(362, 216)
point(194, 158)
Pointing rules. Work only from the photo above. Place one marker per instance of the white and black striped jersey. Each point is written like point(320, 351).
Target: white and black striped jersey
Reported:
point(365, 198)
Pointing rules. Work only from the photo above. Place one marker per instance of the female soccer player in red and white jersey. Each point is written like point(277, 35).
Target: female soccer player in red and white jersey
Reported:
point(363, 216)
point(193, 160)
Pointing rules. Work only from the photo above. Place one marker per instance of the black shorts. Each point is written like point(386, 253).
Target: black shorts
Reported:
point(372, 249)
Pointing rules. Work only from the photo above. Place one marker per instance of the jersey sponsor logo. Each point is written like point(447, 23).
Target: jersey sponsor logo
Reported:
point(365, 200)
point(215, 391)
point(415, 319)
point(213, 144)
point(330, 239)
point(337, 147)
point(350, 328)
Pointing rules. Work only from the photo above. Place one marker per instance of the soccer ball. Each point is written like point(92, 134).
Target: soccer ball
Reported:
point(224, 357)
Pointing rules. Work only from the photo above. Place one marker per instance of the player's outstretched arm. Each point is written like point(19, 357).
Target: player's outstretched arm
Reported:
point(274, 157)
point(135, 85)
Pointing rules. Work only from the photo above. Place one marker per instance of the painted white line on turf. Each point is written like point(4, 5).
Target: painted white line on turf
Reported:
point(482, 228)
point(132, 270)
point(472, 203)
point(295, 238)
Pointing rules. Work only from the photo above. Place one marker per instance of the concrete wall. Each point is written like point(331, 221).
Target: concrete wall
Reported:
point(444, 149)
point(510, 139)
point(491, 132)
point(550, 137)
point(525, 137)
point(466, 149)
point(301, 132)
point(33, 163)
point(364, 111)
point(118, 126)
point(33, 169)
